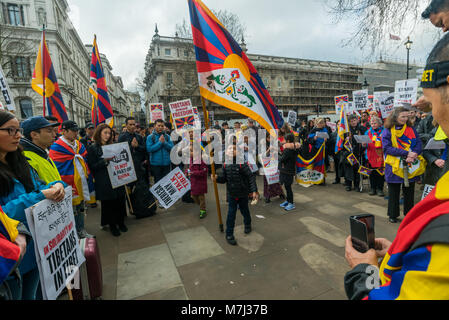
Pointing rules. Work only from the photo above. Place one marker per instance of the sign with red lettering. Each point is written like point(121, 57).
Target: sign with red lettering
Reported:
point(184, 117)
point(121, 166)
point(171, 188)
point(56, 244)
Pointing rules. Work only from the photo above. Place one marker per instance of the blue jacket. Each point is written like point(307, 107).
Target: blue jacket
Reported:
point(159, 152)
point(14, 206)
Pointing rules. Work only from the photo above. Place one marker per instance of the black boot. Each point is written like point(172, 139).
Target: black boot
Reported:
point(115, 232)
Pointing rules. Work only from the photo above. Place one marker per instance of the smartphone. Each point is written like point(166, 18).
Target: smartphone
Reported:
point(362, 232)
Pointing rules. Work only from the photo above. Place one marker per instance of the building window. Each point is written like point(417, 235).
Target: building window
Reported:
point(14, 14)
point(26, 108)
point(279, 83)
point(21, 67)
point(168, 52)
point(186, 53)
point(169, 78)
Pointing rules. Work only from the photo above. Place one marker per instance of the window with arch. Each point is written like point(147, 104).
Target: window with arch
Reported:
point(26, 108)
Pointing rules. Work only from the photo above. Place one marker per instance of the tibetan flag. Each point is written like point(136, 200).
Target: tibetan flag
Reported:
point(352, 159)
point(188, 122)
point(101, 106)
point(365, 171)
point(44, 82)
point(381, 171)
point(313, 171)
point(226, 76)
point(9, 252)
point(342, 129)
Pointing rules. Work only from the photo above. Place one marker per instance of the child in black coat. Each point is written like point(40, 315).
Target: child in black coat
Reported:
point(287, 168)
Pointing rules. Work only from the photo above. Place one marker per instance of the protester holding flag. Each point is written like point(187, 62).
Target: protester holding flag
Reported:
point(70, 157)
point(375, 157)
point(240, 185)
point(21, 188)
point(113, 201)
point(402, 147)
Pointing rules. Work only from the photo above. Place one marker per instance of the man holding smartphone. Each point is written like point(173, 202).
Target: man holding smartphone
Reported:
point(415, 266)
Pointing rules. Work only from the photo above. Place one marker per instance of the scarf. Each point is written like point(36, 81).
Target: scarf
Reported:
point(71, 162)
point(374, 152)
point(405, 139)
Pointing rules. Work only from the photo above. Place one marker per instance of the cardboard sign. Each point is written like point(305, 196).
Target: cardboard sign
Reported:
point(6, 92)
point(292, 117)
point(386, 103)
point(171, 188)
point(361, 101)
point(406, 91)
point(56, 244)
point(157, 112)
point(121, 168)
point(341, 102)
point(183, 116)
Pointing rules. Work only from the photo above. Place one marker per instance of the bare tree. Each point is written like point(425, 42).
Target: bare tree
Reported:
point(375, 20)
point(15, 45)
point(230, 20)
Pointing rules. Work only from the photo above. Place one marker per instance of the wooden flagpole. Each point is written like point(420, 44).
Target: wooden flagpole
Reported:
point(217, 199)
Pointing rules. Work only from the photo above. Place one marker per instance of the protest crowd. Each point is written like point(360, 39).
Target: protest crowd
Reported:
point(387, 155)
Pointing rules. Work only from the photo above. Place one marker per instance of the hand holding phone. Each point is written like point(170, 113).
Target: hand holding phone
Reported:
point(362, 232)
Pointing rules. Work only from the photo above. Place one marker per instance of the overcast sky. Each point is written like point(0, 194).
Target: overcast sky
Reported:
point(287, 28)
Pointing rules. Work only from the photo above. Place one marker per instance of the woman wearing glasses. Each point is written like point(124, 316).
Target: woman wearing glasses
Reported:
point(20, 189)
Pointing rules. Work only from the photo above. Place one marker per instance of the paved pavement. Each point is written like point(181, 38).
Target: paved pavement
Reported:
point(176, 256)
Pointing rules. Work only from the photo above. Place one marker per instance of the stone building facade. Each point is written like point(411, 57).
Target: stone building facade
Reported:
point(294, 84)
point(21, 23)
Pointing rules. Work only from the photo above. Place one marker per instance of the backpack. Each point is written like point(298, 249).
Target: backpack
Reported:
point(143, 202)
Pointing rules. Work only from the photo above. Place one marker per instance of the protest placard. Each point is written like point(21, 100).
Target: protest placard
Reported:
point(6, 92)
point(157, 112)
point(183, 116)
point(332, 125)
point(360, 99)
point(171, 188)
point(270, 170)
point(121, 167)
point(56, 244)
point(292, 117)
point(406, 91)
point(427, 190)
point(386, 103)
point(341, 102)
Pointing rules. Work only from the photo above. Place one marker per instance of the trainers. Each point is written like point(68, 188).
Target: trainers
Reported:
point(290, 207)
point(231, 240)
point(203, 214)
point(248, 229)
point(283, 205)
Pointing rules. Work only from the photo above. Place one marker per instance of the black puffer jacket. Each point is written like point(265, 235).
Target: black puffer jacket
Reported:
point(240, 181)
point(287, 162)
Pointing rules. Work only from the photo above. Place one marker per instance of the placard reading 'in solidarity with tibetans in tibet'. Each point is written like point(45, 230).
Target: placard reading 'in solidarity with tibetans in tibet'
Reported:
point(171, 188)
point(121, 166)
point(56, 243)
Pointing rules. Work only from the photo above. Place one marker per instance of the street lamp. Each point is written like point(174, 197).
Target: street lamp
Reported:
point(71, 92)
point(408, 46)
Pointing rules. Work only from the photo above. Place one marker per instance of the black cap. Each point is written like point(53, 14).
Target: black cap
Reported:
point(70, 125)
point(90, 125)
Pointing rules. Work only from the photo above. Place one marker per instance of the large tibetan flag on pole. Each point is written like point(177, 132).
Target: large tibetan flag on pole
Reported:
point(226, 76)
point(342, 129)
point(101, 106)
point(44, 82)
